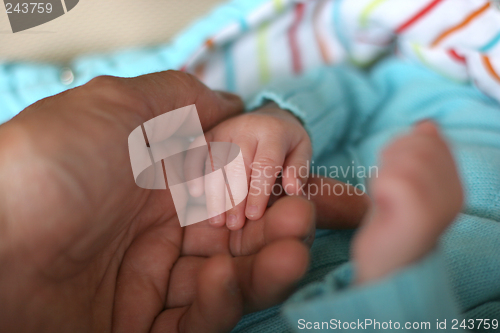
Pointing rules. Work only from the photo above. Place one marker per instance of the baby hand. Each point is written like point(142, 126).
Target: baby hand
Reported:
point(272, 141)
point(416, 196)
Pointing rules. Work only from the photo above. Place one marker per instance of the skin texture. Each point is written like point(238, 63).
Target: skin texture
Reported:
point(83, 249)
point(272, 140)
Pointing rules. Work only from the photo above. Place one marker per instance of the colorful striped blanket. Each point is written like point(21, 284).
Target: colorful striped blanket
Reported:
point(459, 39)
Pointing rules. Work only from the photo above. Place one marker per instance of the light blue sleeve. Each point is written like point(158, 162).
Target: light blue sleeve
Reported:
point(456, 288)
point(325, 103)
point(417, 298)
point(351, 116)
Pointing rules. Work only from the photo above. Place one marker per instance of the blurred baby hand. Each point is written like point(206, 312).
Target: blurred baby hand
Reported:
point(273, 142)
point(416, 196)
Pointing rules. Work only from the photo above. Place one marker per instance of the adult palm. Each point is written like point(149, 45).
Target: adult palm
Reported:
point(82, 248)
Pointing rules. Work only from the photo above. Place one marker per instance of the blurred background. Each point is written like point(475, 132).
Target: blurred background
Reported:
point(98, 26)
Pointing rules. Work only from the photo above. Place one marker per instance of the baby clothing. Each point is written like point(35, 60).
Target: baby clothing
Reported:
point(351, 116)
point(459, 39)
point(320, 59)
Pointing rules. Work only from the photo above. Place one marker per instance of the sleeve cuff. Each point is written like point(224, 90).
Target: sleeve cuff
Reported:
point(418, 294)
point(317, 99)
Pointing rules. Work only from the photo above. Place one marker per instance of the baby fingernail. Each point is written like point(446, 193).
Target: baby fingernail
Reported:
point(252, 210)
point(231, 221)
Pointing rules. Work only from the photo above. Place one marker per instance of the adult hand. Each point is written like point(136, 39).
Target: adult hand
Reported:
point(82, 248)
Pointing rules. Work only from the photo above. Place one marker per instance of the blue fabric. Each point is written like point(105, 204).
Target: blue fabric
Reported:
point(351, 116)
point(22, 84)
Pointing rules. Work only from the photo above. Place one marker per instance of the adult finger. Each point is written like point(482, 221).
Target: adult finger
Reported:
point(217, 306)
point(264, 278)
point(141, 286)
point(268, 277)
point(289, 217)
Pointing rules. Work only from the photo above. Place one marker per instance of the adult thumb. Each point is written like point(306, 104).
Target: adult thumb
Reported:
point(170, 90)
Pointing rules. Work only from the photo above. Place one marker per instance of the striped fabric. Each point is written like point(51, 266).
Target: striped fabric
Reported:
point(459, 39)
